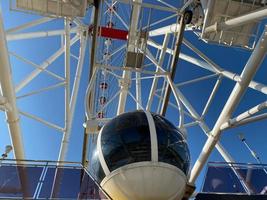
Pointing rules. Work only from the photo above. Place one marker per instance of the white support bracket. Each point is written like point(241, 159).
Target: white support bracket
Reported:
point(4, 105)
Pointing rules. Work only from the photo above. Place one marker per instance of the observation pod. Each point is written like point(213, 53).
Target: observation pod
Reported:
point(141, 156)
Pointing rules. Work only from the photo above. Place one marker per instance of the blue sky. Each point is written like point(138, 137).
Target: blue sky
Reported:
point(43, 143)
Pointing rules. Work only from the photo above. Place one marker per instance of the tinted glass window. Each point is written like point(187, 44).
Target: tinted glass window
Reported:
point(95, 167)
point(18, 181)
point(126, 139)
point(172, 147)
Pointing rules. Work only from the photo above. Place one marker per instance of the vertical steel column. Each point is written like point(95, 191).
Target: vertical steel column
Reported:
point(248, 73)
point(77, 79)
point(126, 77)
point(66, 133)
point(8, 92)
point(138, 90)
point(93, 39)
point(12, 116)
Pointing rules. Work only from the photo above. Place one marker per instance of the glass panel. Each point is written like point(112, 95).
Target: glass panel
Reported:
point(70, 183)
point(38, 183)
point(172, 146)
point(205, 196)
point(95, 167)
point(256, 178)
point(221, 178)
point(19, 181)
point(126, 139)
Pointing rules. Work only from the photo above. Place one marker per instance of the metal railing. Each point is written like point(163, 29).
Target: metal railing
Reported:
point(44, 179)
point(220, 178)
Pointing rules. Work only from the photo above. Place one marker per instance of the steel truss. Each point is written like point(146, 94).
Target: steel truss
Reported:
point(132, 87)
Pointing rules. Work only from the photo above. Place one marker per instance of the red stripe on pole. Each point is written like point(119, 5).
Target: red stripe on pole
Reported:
point(113, 33)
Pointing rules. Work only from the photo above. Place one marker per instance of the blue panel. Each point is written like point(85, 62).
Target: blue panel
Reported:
point(18, 181)
point(204, 196)
point(47, 182)
point(222, 179)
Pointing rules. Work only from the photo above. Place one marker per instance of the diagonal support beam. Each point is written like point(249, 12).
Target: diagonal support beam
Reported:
point(247, 75)
point(43, 66)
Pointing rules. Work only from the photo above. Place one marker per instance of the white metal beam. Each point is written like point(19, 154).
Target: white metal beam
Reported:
point(248, 73)
point(38, 119)
point(37, 34)
point(41, 90)
point(250, 120)
point(166, 29)
point(28, 25)
point(73, 100)
point(8, 91)
point(126, 77)
point(66, 133)
point(4, 105)
point(238, 21)
point(211, 66)
point(244, 115)
point(36, 66)
point(155, 80)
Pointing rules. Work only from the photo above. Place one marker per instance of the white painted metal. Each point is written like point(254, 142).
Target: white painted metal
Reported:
point(212, 96)
point(155, 80)
point(153, 137)
point(7, 88)
point(49, 124)
point(167, 29)
point(238, 21)
point(71, 102)
point(4, 105)
point(138, 89)
point(144, 181)
point(41, 90)
point(180, 107)
point(126, 77)
point(53, 8)
point(37, 66)
point(160, 71)
point(77, 80)
point(251, 119)
point(39, 34)
point(239, 89)
point(28, 25)
point(66, 133)
point(237, 32)
point(211, 66)
point(244, 115)
point(101, 156)
point(203, 125)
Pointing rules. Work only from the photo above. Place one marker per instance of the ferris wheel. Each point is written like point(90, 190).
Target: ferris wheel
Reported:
point(71, 67)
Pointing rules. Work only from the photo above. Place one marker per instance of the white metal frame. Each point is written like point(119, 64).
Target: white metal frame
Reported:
point(156, 70)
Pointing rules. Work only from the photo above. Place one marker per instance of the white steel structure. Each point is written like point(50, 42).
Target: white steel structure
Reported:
point(137, 52)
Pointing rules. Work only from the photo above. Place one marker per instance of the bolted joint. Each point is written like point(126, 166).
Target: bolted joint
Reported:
point(124, 84)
